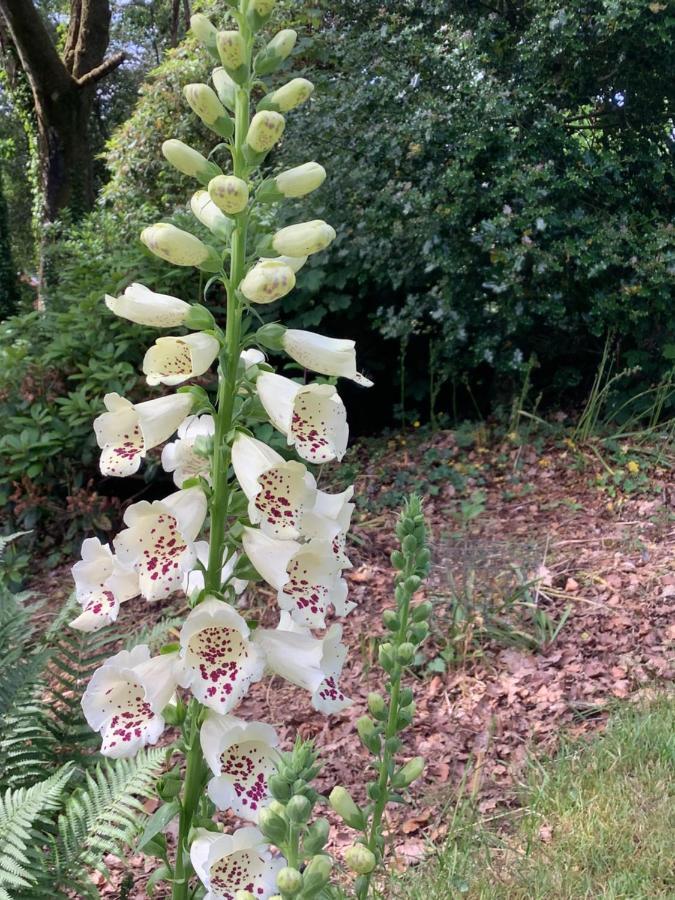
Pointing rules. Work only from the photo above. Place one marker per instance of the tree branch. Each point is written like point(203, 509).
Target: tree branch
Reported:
point(107, 66)
point(34, 46)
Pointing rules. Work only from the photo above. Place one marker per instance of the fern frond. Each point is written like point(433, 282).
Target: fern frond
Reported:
point(156, 635)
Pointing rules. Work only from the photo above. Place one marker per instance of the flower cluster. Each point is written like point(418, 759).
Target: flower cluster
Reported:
point(258, 513)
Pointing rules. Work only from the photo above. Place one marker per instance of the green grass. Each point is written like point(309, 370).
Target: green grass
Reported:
point(605, 811)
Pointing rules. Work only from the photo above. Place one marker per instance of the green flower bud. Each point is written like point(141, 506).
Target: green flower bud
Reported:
point(398, 559)
point(231, 49)
point(277, 808)
point(412, 584)
point(229, 193)
point(422, 611)
point(406, 653)
point(376, 705)
point(369, 736)
point(301, 180)
point(298, 809)
point(279, 787)
point(385, 657)
point(270, 336)
point(419, 632)
point(360, 859)
point(409, 544)
point(188, 161)
point(199, 318)
point(272, 826)
point(316, 837)
point(203, 30)
point(285, 98)
point(316, 874)
point(282, 43)
point(405, 696)
point(410, 772)
point(225, 87)
point(205, 210)
point(264, 131)
point(341, 802)
point(289, 881)
point(391, 620)
point(267, 282)
point(304, 238)
point(179, 247)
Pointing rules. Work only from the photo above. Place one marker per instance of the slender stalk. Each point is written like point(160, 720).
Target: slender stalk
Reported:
point(192, 792)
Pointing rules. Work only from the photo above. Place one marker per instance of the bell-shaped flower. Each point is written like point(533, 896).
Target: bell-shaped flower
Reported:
point(304, 238)
point(227, 863)
point(219, 661)
point(301, 180)
point(242, 756)
point(101, 584)
point(125, 698)
point(189, 456)
point(205, 211)
point(179, 247)
point(327, 356)
point(231, 49)
point(288, 96)
point(305, 576)
point(193, 581)
point(310, 663)
point(264, 131)
point(312, 417)
point(158, 541)
point(172, 360)
point(229, 193)
point(189, 161)
point(128, 430)
point(267, 281)
point(279, 492)
point(143, 306)
point(329, 519)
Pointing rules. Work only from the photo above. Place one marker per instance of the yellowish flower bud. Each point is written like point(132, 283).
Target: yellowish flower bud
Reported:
point(297, 91)
point(231, 49)
point(203, 30)
point(225, 87)
point(289, 880)
point(206, 211)
point(188, 161)
point(264, 131)
point(342, 803)
point(410, 772)
point(229, 193)
point(303, 239)
point(174, 245)
point(282, 43)
point(204, 102)
point(267, 282)
point(360, 859)
point(301, 180)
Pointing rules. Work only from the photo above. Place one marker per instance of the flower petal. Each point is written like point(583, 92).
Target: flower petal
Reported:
point(173, 360)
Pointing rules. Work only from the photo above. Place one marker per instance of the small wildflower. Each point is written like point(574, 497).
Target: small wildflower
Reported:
point(633, 467)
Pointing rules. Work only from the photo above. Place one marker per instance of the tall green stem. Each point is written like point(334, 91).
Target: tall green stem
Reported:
point(227, 387)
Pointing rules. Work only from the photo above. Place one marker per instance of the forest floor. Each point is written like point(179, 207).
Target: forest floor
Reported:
point(554, 593)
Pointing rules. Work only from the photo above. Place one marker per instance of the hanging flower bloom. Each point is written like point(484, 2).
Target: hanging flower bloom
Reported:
point(229, 193)
point(227, 863)
point(329, 519)
point(264, 131)
point(179, 247)
point(126, 696)
point(220, 662)
point(306, 576)
point(242, 756)
point(188, 457)
point(143, 306)
point(267, 282)
point(127, 431)
point(279, 492)
point(304, 238)
point(189, 161)
point(159, 540)
point(287, 97)
point(301, 180)
point(308, 662)
point(173, 360)
point(327, 356)
point(312, 417)
point(193, 581)
point(205, 211)
point(101, 584)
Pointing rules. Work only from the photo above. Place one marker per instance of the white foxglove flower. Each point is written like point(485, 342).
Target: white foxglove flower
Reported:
point(141, 305)
point(194, 581)
point(329, 519)
point(279, 492)
point(205, 211)
point(242, 756)
point(231, 49)
point(282, 43)
point(128, 430)
point(204, 102)
point(180, 457)
point(126, 696)
point(310, 663)
point(267, 281)
point(229, 193)
point(327, 356)
point(178, 247)
point(312, 417)
point(301, 180)
point(189, 161)
point(102, 583)
point(251, 357)
point(225, 87)
point(159, 540)
point(173, 360)
point(289, 95)
point(220, 663)
point(227, 863)
point(203, 30)
point(304, 238)
point(305, 576)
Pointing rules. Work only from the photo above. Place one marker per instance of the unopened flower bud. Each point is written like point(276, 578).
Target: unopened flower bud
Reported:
point(267, 282)
point(229, 193)
point(271, 336)
point(406, 653)
point(406, 696)
point(419, 632)
point(376, 705)
point(199, 318)
point(277, 808)
point(385, 656)
point(342, 803)
point(369, 736)
point(177, 246)
point(279, 787)
point(264, 131)
point(206, 211)
point(231, 49)
point(289, 881)
point(422, 611)
point(272, 826)
point(204, 101)
point(225, 87)
point(188, 161)
point(410, 772)
point(293, 262)
point(360, 859)
point(282, 43)
point(204, 30)
point(287, 97)
point(304, 238)
point(301, 180)
point(298, 809)
point(316, 874)
point(316, 837)
point(390, 619)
